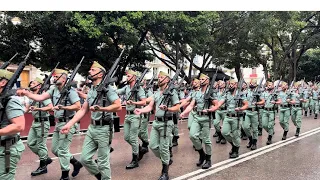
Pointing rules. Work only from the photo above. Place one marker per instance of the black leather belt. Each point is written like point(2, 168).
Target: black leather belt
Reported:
point(202, 113)
point(164, 118)
point(11, 140)
point(253, 109)
point(284, 106)
point(101, 122)
point(130, 112)
point(269, 109)
point(41, 119)
point(223, 108)
point(232, 115)
point(64, 119)
point(296, 105)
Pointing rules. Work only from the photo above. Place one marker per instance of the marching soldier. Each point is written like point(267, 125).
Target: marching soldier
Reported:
point(268, 117)
point(11, 124)
point(244, 92)
point(201, 122)
point(98, 134)
point(296, 103)
point(232, 122)
point(163, 124)
point(284, 115)
point(38, 133)
point(64, 113)
point(315, 101)
point(251, 118)
point(220, 113)
point(132, 121)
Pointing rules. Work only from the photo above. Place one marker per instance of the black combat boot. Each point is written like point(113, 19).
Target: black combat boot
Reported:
point(65, 175)
point(310, 112)
point(170, 150)
point(305, 113)
point(235, 153)
point(202, 157)
point(215, 134)
point(134, 163)
point(250, 142)
point(254, 144)
point(284, 137)
point(175, 141)
point(259, 131)
point(269, 140)
point(49, 161)
point(297, 132)
point(165, 174)
point(232, 149)
point(98, 176)
point(143, 150)
point(207, 164)
point(76, 166)
point(243, 135)
point(223, 140)
point(42, 169)
point(315, 116)
point(219, 137)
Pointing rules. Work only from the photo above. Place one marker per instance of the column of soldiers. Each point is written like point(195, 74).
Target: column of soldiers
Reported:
point(235, 109)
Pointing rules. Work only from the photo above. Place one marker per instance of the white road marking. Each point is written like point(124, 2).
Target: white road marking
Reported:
point(265, 148)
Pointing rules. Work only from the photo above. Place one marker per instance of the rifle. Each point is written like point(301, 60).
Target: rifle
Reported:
point(66, 88)
point(257, 96)
point(7, 91)
point(207, 97)
point(137, 84)
point(150, 84)
point(274, 97)
point(167, 93)
point(6, 64)
point(102, 90)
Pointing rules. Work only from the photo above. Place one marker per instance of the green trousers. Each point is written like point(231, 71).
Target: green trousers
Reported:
point(251, 123)
point(268, 121)
point(61, 145)
point(305, 105)
point(175, 130)
point(260, 115)
point(200, 129)
point(131, 131)
point(15, 155)
point(231, 130)
point(97, 140)
point(190, 118)
point(315, 106)
point(284, 118)
point(158, 143)
point(297, 116)
point(143, 129)
point(220, 115)
point(36, 142)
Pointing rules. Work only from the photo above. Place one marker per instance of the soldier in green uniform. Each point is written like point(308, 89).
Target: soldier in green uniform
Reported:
point(284, 115)
point(98, 135)
point(250, 124)
point(38, 133)
point(220, 113)
point(310, 98)
point(296, 103)
point(304, 91)
point(132, 121)
point(268, 117)
point(163, 124)
point(232, 122)
point(61, 142)
point(244, 92)
point(315, 101)
point(11, 124)
point(201, 122)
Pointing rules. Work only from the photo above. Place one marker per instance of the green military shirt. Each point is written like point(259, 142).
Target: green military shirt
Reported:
point(267, 96)
point(13, 109)
point(111, 97)
point(296, 97)
point(158, 99)
point(181, 95)
point(126, 90)
point(315, 94)
point(72, 98)
point(201, 103)
point(283, 96)
point(231, 102)
point(252, 98)
point(149, 93)
point(36, 114)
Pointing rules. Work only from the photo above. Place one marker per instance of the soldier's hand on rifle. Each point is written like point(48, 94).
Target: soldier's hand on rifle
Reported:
point(272, 102)
point(137, 111)
point(32, 108)
point(129, 102)
point(237, 109)
point(182, 115)
point(58, 107)
point(163, 107)
point(22, 92)
point(288, 100)
point(95, 108)
point(205, 110)
point(65, 129)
